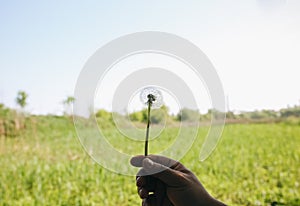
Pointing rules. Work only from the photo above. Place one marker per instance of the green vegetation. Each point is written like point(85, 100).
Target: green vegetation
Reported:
point(188, 115)
point(161, 115)
point(11, 122)
point(254, 164)
point(21, 99)
point(158, 116)
point(68, 102)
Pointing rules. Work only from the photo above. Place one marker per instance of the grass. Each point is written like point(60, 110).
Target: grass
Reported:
point(254, 164)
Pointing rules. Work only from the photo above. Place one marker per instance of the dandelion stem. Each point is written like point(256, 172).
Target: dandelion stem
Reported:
point(151, 99)
point(148, 126)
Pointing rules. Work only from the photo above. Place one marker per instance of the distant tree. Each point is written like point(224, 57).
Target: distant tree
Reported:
point(18, 122)
point(188, 115)
point(216, 114)
point(105, 118)
point(21, 99)
point(230, 115)
point(103, 114)
point(159, 115)
point(139, 116)
point(290, 112)
point(68, 102)
point(3, 111)
point(165, 109)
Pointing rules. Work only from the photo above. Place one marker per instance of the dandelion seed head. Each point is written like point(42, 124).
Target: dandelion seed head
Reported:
point(151, 94)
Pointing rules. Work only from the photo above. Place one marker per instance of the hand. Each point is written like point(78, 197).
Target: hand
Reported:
point(166, 182)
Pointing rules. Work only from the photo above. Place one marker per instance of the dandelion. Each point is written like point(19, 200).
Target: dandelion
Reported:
point(153, 99)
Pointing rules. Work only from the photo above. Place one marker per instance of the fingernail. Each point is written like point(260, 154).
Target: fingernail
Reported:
point(147, 163)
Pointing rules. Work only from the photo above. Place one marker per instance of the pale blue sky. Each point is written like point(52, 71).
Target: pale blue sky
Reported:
point(254, 45)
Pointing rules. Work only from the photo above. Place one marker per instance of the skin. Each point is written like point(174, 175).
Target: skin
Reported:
point(166, 182)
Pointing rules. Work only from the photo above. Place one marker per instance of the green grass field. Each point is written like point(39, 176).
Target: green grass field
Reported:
point(254, 164)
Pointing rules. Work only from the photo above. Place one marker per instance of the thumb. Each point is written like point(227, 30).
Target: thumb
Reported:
point(165, 174)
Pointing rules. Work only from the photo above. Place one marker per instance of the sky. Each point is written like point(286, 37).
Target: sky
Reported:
point(254, 45)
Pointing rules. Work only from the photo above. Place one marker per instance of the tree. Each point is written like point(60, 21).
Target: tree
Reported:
point(139, 116)
point(157, 115)
point(103, 114)
point(290, 112)
point(19, 119)
point(105, 119)
point(188, 115)
point(21, 99)
point(68, 102)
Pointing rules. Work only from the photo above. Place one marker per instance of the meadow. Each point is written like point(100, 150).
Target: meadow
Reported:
point(254, 164)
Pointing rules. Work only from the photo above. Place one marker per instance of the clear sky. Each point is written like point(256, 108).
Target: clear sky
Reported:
point(253, 44)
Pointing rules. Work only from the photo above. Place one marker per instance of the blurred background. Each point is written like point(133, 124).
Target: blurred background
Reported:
point(254, 46)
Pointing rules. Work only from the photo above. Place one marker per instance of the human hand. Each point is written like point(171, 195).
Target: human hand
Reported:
point(166, 182)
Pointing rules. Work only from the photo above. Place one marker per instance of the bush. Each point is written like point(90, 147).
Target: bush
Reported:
point(188, 115)
point(140, 116)
point(290, 112)
point(10, 122)
point(103, 114)
point(157, 116)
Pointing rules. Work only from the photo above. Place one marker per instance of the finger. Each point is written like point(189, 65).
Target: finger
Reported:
point(147, 182)
point(159, 168)
point(144, 202)
point(143, 192)
point(141, 173)
point(137, 161)
point(141, 181)
point(165, 174)
point(164, 161)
